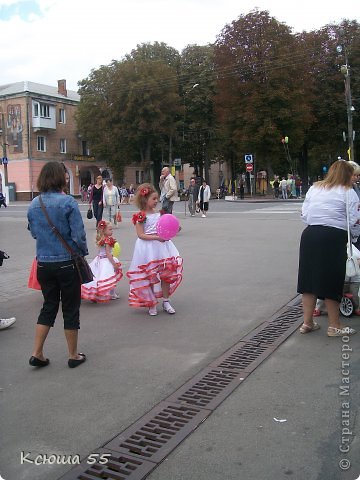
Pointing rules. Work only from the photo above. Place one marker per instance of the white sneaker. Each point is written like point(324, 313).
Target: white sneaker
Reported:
point(153, 311)
point(6, 322)
point(203, 215)
point(114, 296)
point(168, 308)
point(193, 215)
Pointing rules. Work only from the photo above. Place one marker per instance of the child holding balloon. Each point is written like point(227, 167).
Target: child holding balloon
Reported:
point(105, 267)
point(156, 267)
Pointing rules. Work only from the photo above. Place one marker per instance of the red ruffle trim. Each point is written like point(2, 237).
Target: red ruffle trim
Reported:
point(100, 293)
point(146, 277)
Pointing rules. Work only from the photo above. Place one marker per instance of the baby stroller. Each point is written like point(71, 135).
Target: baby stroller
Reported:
point(350, 301)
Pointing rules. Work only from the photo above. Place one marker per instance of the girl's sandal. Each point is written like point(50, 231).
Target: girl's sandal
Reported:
point(316, 312)
point(309, 328)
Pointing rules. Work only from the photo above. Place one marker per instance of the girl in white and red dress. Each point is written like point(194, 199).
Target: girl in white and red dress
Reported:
point(106, 268)
point(156, 267)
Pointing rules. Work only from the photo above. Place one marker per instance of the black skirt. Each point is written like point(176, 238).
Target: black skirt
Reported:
point(322, 262)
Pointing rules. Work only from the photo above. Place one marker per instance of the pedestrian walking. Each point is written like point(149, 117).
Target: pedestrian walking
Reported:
point(204, 198)
point(241, 188)
point(111, 201)
point(322, 258)
point(96, 199)
point(168, 189)
point(192, 194)
point(124, 194)
point(2, 200)
point(156, 267)
point(276, 185)
point(56, 271)
point(283, 188)
point(105, 267)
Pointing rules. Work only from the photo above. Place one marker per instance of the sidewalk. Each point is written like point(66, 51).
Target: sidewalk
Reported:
point(237, 273)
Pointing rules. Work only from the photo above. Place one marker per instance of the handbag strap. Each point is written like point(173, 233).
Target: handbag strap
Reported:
point(55, 230)
point(348, 224)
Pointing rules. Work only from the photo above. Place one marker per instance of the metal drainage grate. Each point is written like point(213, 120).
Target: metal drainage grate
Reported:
point(271, 333)
point(118, 467)
point(159, 431)
point(139, 448)
point(243, 357)
point(208, 389)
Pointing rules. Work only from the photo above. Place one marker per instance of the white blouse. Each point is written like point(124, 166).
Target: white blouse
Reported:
point(327, 207)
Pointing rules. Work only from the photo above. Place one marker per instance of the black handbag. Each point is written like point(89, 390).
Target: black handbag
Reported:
point(89, 214)
point(81, 265)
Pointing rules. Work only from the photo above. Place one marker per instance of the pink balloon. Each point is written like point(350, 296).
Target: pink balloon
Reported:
point(167, 226)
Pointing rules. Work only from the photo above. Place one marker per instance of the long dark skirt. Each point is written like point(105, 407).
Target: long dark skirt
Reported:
point(322, 262)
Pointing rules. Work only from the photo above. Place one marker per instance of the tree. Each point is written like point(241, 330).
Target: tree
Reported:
point(129, 111)
point(261, 95)
point(199, 129)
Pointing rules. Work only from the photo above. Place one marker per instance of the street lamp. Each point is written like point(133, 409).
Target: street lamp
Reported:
point(184, 97)
point(4, 145)
point(345, 70)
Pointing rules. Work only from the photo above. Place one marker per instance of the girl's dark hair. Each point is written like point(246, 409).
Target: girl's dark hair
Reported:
point(52, 178)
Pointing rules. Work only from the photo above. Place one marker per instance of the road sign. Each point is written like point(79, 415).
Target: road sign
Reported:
point(5, 160)
point(249, 167)
point(248, 158)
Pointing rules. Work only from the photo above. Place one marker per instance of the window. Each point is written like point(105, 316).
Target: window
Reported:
point(41, 144)
point(44, 110)
point(62, 118)
point(139, 174)
point(84, 147)
point(62, 145)
point(36, 109)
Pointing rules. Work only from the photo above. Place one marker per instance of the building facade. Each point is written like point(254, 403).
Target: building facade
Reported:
point(37, 125)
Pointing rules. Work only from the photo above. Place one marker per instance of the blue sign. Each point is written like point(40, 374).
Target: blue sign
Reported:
point(248, 158)
point(5, 160)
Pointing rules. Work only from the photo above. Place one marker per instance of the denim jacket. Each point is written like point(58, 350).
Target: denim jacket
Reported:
point(64, 212)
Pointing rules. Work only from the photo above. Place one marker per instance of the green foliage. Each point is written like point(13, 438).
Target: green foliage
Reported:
point(258, 83)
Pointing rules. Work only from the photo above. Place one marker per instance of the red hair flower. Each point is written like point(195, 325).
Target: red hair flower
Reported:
point(144, 192)
point(162, 212)
point(139, 217)
point(102, 225)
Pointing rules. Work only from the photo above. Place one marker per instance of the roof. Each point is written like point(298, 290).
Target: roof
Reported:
point(36, 88)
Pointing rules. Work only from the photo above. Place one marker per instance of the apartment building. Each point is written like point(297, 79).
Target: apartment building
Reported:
point(37, 126)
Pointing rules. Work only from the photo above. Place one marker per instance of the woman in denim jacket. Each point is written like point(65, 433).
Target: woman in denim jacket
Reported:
point(56, 273)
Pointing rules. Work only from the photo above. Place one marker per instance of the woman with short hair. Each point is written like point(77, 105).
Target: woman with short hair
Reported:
point(56, 272)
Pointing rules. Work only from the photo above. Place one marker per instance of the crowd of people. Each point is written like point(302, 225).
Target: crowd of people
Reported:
point(56, 224)
point(126, 194)
point(156, 268)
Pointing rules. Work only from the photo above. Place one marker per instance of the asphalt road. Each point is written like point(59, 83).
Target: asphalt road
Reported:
point(240, 266)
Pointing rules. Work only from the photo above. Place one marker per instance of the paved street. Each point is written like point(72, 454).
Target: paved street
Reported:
point(240, 266)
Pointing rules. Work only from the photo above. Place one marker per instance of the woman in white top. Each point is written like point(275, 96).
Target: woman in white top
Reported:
point(111, 200)
point(323, 245)
point(203, 198)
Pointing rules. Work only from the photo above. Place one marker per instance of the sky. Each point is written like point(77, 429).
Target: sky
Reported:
point(47, 40)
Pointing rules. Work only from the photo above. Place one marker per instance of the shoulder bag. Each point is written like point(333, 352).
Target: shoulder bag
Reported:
point(82, 267)
point(352, 265)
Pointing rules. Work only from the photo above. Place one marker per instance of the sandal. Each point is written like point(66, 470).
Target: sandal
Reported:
point(153, 311)
point(316, 312)
point(309, 328)
point(340, 332)
point(168, 308)
point(75, 362)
